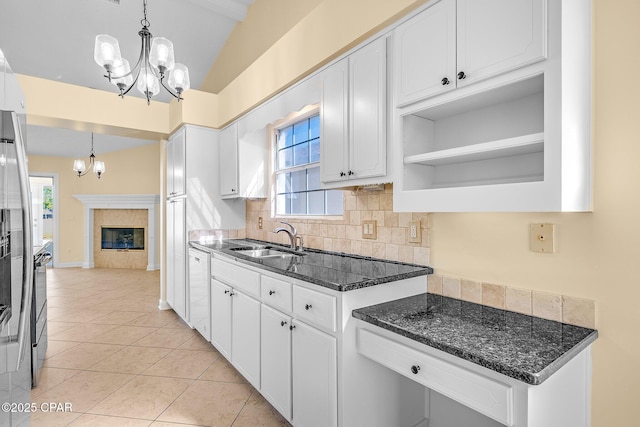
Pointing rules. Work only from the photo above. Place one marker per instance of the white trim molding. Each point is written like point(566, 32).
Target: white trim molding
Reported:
point(120, 201)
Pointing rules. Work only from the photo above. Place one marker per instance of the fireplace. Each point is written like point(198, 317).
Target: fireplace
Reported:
point(122, 238)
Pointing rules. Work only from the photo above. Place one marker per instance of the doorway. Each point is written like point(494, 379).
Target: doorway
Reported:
point(44, 211)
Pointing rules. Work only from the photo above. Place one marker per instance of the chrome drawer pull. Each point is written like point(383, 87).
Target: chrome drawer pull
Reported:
point(307, 306)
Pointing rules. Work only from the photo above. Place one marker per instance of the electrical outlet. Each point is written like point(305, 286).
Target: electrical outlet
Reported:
point(542, 238)
point(260, 222)
point(415, 232)
point(369, 229)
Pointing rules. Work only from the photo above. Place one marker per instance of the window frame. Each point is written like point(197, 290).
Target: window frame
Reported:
point(293, 118)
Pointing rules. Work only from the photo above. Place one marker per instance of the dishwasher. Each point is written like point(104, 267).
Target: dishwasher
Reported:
point(39, 315)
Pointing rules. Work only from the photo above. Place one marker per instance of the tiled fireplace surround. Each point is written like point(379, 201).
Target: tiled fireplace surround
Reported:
point(345, 235)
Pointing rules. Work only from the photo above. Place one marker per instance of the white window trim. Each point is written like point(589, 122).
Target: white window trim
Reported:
point(272, 130)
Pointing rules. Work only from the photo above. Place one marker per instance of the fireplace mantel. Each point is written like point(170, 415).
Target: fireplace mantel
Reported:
point(120, 201)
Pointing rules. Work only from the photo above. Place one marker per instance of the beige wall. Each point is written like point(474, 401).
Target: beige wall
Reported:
point(133, 171)
point(265, 23)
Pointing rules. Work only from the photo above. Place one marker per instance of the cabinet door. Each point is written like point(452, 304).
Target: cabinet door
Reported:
point(176, 154)
point(170, 255)
point(245, 336)
point(367, 111)
point(176, 258)
point(314, 377)
point(275, 360)
point(425, 53)
point(199, 304)
point(229, 161)
point(495, 36)
point(221, 317)
point(334, 123)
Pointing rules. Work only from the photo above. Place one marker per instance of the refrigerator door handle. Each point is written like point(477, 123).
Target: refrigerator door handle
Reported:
point(27, 255)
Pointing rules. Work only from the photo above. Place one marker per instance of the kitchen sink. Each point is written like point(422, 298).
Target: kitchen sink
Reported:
point(263, 252)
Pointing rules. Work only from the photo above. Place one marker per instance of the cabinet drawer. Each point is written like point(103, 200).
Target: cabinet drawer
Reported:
point(315, 307)
point(485, 395)
point(276, 293)
point(238, 277)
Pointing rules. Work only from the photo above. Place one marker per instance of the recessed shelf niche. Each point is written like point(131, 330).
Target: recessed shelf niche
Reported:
point(494, 137)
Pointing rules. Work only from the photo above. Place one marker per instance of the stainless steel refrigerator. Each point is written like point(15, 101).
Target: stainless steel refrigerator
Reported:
point(16, 256)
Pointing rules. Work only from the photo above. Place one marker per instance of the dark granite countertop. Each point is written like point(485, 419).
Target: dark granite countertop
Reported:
point(523, 347)
point(338, 271)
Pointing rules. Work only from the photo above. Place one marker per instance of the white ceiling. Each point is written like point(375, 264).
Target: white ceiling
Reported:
point(54, 40)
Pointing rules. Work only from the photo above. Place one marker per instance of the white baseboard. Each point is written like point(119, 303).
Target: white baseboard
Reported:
point(153, 267)
point(163, 305)
point(68, 265)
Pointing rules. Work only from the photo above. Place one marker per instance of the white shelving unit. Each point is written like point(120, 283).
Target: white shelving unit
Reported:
point(516, 141)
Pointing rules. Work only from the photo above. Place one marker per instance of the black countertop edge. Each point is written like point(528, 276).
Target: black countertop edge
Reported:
point(425, 270)
point(528, 377)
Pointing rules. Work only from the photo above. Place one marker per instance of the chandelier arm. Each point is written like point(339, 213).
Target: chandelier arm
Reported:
point(92, 158)
point(168, 89)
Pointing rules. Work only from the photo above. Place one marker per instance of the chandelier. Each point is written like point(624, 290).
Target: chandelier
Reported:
point(80, 167)
point(155, 61)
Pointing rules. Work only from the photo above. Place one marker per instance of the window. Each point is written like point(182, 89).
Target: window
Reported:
point(297, 169)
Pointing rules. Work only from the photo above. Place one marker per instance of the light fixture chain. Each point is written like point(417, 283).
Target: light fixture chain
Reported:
point(145, 22)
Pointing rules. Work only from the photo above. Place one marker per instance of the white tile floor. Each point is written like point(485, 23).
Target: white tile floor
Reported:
point(119, 361)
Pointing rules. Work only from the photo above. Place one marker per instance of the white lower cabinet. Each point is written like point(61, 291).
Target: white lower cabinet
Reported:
point(245, 336)
point(314, 367)
point(199, 292)
point(283, 335)
point(221, 317)
point(235, 329)
point(275, 356)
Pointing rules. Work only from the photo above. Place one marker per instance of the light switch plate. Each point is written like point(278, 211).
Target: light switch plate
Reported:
point(260, 222)
point(415, 234)
point(542, 238)
point(369, 229)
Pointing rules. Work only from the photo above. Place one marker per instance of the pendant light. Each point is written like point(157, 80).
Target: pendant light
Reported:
point(98, 167)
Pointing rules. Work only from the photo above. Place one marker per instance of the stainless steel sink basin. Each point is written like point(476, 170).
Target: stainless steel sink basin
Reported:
point(264, 253)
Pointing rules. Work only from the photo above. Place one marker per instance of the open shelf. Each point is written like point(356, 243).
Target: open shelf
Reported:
point(525, 144)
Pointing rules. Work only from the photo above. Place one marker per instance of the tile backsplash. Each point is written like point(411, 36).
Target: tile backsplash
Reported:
point(345, 234)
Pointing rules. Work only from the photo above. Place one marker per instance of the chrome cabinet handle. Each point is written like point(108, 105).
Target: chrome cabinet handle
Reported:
point(272, 292)
point(415, 369)
point(283, 323)
point(307, 306)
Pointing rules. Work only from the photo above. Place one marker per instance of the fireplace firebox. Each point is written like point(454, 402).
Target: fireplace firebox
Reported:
point(123, 238)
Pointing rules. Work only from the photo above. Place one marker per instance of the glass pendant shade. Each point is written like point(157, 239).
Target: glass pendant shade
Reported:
point(148, 84)
point(161, 55)
point(98, 168)
point(179, 78)
point(79, 166)
point(107, 52)
point(122, 75)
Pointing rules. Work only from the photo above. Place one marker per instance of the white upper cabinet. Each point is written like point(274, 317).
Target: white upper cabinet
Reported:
point(425, 53)
point(176, 149)
point(353, 117)
point(495, 36)
point(454, 43)
point(229, 161)
point(243, 162)
point(515, 134)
